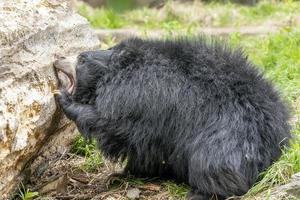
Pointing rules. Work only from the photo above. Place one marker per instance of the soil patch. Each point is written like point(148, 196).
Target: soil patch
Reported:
point(65, 179)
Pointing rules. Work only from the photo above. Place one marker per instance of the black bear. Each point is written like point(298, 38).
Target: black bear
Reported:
point(192, 110)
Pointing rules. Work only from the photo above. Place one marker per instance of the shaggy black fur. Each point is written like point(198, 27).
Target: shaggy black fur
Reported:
point(190, 110)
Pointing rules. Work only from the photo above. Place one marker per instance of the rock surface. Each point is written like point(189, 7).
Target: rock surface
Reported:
point(32, 34)
point(288, 191)
point(291, 190)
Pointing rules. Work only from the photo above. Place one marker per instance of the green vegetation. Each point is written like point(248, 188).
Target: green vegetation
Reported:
point(93, 158)
point(188, 16)
point(278, 56)
point(101, 18)
point(26, 194)
point(117, 182)
point(83, 147)
point(92, 162)
point(177, 191)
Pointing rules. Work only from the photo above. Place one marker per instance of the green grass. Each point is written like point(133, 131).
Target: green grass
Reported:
point(278, 12)
point(83, 147)
point(181, 16)
point(93, 162)
point(93, 158)
point(118, 182)
point(279, 58)
point(177, 191)
point(26, 194)
point(102, 18)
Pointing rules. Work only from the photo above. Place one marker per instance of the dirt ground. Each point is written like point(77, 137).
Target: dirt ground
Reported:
point(64, 178)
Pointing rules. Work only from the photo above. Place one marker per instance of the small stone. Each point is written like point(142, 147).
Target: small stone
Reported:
point(133, 193)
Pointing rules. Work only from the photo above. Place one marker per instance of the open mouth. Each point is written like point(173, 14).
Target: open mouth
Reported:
point(65, 74)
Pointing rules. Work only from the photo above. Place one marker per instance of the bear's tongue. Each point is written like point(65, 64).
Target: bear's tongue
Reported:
point(62, 66)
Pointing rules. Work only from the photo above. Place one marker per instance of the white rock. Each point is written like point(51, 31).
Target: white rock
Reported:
point(32, 34)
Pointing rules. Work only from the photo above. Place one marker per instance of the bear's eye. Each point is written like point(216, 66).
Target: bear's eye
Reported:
point(81, 60)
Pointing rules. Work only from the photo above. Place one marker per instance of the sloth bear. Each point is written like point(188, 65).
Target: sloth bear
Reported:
point(191, 110)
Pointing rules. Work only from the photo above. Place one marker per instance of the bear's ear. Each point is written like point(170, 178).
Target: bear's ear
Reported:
point(128, 52)
point(130, 55)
